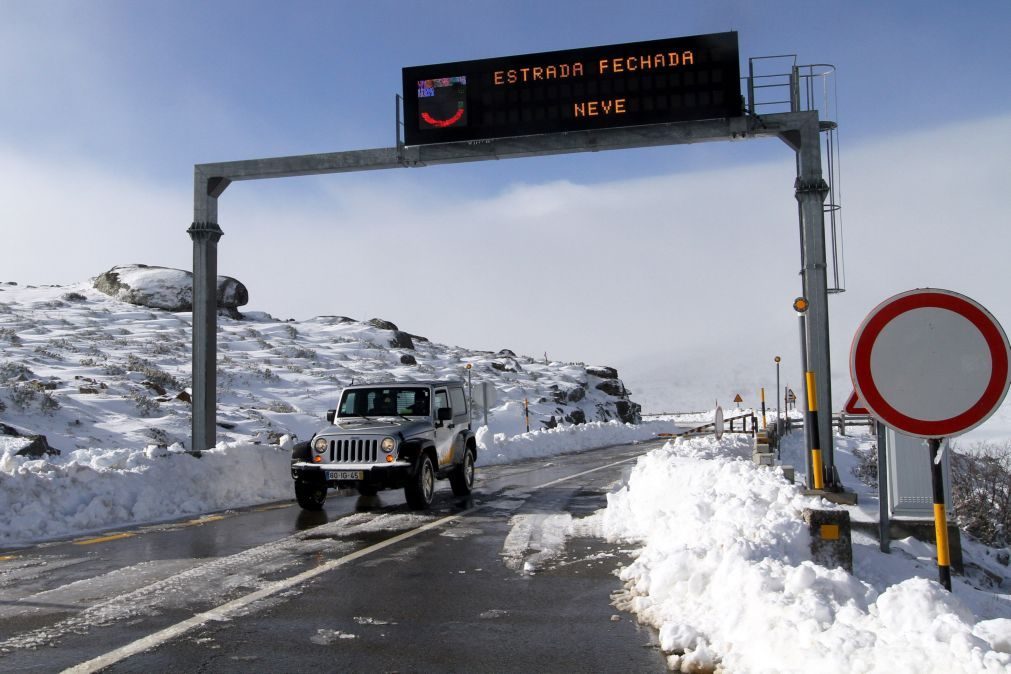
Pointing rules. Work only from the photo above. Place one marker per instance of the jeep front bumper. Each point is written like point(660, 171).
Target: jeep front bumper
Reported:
point(386, 475)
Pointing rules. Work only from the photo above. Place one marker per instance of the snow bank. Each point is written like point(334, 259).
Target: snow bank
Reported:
point(495, 448)
point(725, 575)
point(94, 489)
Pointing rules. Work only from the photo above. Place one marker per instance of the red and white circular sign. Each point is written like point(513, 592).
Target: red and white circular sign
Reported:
point(930, 363)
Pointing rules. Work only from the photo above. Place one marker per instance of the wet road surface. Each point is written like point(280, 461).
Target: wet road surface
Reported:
point(475, 585)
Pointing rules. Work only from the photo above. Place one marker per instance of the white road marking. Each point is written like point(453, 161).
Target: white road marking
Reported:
point(585, 472)
point(224, 611)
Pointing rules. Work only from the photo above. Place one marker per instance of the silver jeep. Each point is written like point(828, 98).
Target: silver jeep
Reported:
point(390, 436)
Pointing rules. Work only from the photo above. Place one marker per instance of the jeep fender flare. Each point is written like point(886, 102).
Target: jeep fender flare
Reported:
point(469, 441)
point(301, 452)
point(412, 450)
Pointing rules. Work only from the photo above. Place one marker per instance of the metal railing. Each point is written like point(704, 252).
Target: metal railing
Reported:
point(729, 424)
point(804, 88)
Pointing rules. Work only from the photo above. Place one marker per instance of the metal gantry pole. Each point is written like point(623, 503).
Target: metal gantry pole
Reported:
point(205, 234)
point(810, 190)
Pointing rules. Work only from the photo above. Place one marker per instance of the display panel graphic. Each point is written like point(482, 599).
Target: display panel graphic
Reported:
point(671, 80)
point(442, 103)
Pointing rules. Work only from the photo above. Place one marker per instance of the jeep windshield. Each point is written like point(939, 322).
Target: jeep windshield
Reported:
point(384, 401)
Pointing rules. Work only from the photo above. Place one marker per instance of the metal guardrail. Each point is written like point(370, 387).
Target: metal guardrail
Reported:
point(729, 427)
point(840, 422)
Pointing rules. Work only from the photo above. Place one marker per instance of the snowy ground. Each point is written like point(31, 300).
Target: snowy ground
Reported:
point(722, 566)
point(724, 573)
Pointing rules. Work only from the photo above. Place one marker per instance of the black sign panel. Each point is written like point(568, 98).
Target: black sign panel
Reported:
point(672, 80)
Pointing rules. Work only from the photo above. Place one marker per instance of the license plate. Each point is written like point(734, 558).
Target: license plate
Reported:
point(345, 475)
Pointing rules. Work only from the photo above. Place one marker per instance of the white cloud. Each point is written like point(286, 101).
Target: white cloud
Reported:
point(698, 269)
point(64, 223)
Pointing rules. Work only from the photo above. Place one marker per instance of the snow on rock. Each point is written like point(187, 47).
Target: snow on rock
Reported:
point(725, 575)
point(92, 489)
point(164, 288)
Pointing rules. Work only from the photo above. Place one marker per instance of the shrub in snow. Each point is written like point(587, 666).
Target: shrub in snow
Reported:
point(10, 336)
point(23, 394)
point(48, 404)
point(153, 373)
point(866, 469)
point(146, 405)
point(981, 492)
point(10, 371)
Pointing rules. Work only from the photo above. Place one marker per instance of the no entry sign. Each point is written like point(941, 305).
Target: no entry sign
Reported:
point(930, 363)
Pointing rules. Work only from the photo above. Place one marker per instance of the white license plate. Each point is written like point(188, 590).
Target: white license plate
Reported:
point(345, 475)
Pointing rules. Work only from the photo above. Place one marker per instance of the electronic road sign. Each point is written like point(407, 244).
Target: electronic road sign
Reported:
point(671, 80)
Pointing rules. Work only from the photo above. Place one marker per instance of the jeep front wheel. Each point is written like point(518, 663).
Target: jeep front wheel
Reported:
point(310, 495)
point(462, 477)
point(420, 490)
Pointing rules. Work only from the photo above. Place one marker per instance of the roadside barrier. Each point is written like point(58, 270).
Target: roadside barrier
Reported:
point(730, 426)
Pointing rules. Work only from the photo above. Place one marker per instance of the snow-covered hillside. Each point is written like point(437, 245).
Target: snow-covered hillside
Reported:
point(90, 371)
point(722, 564)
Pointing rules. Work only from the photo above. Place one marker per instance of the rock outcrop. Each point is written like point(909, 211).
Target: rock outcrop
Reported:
point(166, 288)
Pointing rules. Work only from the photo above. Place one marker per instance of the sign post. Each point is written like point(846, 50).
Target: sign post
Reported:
point(801, 305)
point(778, 391)
point(932, 364)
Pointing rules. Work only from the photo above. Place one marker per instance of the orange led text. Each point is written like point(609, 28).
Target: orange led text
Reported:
point(615, 106)
point(631, 64)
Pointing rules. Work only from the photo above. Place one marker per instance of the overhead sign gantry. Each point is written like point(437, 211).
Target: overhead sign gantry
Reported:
point(529, 106)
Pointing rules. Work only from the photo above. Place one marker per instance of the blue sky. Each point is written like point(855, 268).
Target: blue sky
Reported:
point(159, 86)
point(107, 105)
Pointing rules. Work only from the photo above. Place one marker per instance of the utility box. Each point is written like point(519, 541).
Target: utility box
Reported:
point(910, 493)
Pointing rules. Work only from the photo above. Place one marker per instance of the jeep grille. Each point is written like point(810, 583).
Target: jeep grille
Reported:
point(354, 450)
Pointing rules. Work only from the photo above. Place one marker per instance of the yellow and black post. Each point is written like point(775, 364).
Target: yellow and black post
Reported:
point(940, 515)
point(762, 391)
point(812, 426)
point(526, 412)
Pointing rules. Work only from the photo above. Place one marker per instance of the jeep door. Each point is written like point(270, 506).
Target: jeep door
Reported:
point(445, 431)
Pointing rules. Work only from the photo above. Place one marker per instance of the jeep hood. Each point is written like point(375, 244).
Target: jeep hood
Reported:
point(382, 426)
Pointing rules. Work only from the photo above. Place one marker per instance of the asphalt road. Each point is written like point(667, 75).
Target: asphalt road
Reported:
point(475, 585)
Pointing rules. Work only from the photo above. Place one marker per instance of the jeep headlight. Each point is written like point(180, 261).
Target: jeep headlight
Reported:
point(320, 445)
point(388, 445)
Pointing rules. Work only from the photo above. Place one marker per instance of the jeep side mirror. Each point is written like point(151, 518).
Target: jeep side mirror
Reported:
point(330, 414)
point(444, 414)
